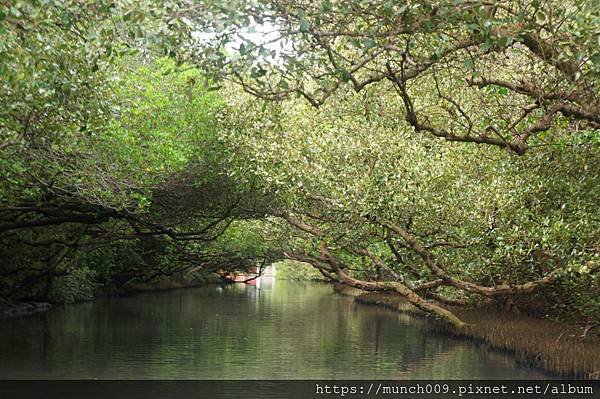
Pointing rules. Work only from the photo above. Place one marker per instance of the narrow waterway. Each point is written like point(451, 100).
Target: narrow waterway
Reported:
point(284, 330)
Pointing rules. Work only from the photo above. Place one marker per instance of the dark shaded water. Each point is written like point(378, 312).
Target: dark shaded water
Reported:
point(286, 330)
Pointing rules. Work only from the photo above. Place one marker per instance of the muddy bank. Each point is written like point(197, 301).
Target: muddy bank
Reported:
point(156, 285)
point(22, 308)
point(555, 347)
point(133, 288)
point(346, 290)
point(11, 309)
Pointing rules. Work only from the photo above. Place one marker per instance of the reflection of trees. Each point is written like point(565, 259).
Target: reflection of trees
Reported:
point(400, 344)
point(226, 332)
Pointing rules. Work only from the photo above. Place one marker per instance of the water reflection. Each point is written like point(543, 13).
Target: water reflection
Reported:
point(282, 330)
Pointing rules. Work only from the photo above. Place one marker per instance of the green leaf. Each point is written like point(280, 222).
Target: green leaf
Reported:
point(304, 26)
point(487, 45)
point(370, 43)
point(504, 41)
point(16, 12)
point(326, 6)
point(345, 75)
point(388, 8)
point(540, 17)
point(264, 52)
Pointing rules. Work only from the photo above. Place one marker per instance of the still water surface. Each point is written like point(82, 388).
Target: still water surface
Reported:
point(284, 330)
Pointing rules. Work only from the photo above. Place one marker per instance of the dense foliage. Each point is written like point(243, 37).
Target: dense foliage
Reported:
point(351, 175)
point(111, 168)
point(443, 150)
point(297, 271)
point(502, 73)
point(385, 206)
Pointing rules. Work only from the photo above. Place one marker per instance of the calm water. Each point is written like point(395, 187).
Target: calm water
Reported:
point(286, 330)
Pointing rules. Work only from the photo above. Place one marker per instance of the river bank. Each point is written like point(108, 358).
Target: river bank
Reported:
point(9, 309)
point(12, 309)
point(160, 285)
point(549, 345)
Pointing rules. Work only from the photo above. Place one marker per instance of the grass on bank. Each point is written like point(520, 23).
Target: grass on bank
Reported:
point(552, 346)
